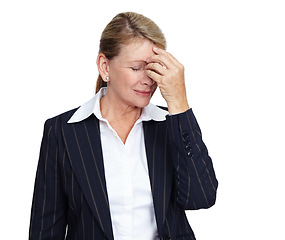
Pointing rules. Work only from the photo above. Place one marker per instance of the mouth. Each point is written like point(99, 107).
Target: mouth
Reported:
point(143, 93)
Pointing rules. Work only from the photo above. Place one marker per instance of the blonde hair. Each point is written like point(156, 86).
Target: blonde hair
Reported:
point(124, 28)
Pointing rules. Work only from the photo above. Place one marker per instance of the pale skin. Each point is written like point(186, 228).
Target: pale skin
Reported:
point(134, 75)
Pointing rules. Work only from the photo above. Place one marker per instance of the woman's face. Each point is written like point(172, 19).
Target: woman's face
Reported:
point(129, 83)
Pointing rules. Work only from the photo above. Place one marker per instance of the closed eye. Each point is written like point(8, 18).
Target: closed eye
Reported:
point(136, 68)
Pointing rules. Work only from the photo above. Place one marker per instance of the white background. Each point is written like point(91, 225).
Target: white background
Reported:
point(234, 55)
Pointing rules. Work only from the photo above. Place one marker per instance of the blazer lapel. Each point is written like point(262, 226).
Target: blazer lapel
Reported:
point(159, 168)
point(84, 149)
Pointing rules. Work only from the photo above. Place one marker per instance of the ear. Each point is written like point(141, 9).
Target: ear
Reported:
point(103, 66)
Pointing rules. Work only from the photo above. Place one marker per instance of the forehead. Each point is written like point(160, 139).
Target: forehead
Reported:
point(136, 51)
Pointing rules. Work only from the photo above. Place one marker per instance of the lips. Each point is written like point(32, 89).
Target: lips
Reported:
point(143, 93)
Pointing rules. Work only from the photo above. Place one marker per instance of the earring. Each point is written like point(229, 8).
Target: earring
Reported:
point(107, 78)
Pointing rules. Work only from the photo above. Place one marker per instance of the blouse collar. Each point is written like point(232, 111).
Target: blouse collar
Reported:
point(150, 112)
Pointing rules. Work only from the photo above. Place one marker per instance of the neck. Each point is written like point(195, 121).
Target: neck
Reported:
point(121, 117)
point(112, 110)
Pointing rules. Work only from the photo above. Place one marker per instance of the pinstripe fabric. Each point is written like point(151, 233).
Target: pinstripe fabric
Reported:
point(70, 188)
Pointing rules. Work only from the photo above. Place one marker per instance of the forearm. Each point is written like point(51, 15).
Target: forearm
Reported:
point(195, 179)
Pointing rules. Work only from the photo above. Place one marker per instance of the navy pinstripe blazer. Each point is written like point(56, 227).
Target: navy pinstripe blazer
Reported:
point(70, 197)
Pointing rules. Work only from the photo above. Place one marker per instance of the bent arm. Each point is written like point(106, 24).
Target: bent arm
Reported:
point(48, 208)
point(195, 180)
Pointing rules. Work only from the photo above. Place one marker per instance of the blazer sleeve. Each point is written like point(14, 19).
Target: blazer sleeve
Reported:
point(195, 180)
point(48, 219)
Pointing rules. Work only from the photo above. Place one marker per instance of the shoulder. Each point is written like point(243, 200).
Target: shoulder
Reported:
point(60, 118)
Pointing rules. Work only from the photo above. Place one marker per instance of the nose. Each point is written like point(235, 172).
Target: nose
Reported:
point(146, 80)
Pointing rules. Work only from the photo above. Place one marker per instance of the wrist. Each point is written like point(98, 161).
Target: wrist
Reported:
point(177, 107)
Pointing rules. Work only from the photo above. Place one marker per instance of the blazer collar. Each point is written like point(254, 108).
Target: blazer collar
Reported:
point(159, 166)
point(84, 149)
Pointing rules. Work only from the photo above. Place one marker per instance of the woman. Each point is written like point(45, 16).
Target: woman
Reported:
point(119, 167)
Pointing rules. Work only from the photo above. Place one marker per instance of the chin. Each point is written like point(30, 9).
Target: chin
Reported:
point(142, 104)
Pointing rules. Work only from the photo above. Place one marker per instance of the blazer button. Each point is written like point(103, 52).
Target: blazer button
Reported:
point(187, 146)
point(190, 154)
point(185, 135)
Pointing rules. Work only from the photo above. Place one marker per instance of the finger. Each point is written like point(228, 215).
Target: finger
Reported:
point(154, 76)
point(158, 68)
point(163, 60)
point(173, 59)
point(169, 55)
